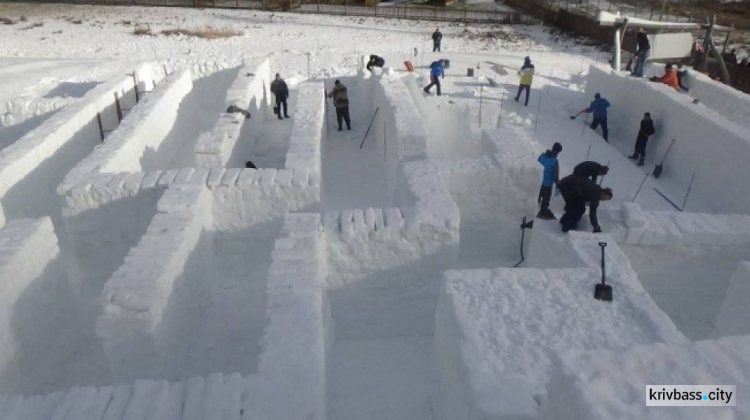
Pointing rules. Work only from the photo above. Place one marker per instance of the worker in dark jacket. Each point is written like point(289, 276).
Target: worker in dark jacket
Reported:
point(647, 130)
point(437, 37)
point(281, 91)
point(341, 102)
point(550, 177)
point(375, 61)
point(577, 191)
point(591, 170)
point(642, 53)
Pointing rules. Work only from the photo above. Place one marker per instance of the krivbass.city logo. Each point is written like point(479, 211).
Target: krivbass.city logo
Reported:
point(691, 395)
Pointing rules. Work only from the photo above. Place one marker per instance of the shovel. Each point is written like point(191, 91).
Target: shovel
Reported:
point(603, 291)
point(572, 117)
point(660, 167)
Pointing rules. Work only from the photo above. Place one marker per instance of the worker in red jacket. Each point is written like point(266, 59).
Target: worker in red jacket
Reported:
point(669, 78)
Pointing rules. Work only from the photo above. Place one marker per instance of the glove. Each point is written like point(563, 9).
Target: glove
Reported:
point(597, 229)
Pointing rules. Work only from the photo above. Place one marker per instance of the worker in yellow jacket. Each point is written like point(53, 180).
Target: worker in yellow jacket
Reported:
point(527, 76)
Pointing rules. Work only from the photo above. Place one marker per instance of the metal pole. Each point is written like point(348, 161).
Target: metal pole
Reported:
point(117, 107)
point(481, 92)
point(640, 186)
point(502, 99)
point(135, 87)
point(385, 144)
point(588, 153)
point(688, 192)
point(538, 108)
point(101, 129)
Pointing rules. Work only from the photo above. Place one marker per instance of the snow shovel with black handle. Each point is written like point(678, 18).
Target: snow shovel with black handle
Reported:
point(603, 291)
point(660, 167)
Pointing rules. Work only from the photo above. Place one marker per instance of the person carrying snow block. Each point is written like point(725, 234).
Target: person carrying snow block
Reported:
point(375, 61)
point(341, 102)
point(578, 190)
point(647, 130)
point(437, 37)
point(669, 78)
point(550, 177)
point(591, 170)
point(436, 73)
point(527, 76)
point(281, 91)
point(599, 108)
point(642, 53)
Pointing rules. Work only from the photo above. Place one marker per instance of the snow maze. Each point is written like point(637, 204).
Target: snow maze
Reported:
point(148, 275)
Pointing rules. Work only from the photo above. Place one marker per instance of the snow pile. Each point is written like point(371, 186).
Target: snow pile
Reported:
point(149, 304)
point(605, 384)
point(707, 144)
point(250, 91)
point(309, 132)
point(20, 110)
point(495, 330)
point(734, 314)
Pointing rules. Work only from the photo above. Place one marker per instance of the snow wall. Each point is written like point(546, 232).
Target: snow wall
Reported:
point(232, 136)
point(31, 167)
point(290, 382)
point(727, 101)
point(734, 314)
point(309, 132)
point(37, 319)
point(500, 368)
point(581, 380)
point(716, 149)
point(235, 199)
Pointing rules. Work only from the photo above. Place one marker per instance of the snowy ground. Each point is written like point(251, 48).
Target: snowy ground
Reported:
point(380, 363)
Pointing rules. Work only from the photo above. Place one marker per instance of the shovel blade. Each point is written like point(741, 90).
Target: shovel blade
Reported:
point(657, 171)
point(603, 292)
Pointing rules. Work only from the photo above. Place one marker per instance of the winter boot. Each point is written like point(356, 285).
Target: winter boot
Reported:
point(546, 215)
point(633, 157)
point(640, 162)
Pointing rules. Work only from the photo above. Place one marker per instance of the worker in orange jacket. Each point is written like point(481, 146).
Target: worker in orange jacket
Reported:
point(669, 78)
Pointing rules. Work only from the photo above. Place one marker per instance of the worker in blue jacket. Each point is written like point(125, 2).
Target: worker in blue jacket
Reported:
point(436, 73)
point(599, 108)
point(550, 178)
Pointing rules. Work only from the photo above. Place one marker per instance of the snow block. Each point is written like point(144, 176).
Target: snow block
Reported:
point(143, 336)
point(260, 195)
point(607, 384)
point(250, 92)
point(66, 137)
point(309, 133)
point(409, 130)
point(37, 317)
point(147, 125)
point(734, 314)
point(292, 363)
point(718, 164)
point(495, 330)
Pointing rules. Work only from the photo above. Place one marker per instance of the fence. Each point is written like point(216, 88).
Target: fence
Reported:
point(405, 11)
